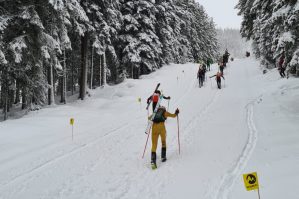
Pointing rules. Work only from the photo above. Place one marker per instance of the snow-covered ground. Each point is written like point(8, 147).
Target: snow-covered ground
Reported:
point(249, 125)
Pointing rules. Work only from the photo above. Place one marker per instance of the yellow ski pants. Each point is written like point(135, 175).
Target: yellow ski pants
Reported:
point(158, 129)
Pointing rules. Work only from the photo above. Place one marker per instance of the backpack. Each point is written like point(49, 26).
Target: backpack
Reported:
point(155, 97)
point(159, 117)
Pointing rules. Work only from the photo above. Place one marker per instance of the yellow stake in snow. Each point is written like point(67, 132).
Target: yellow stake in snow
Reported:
point(251, 182)
point(72, 123)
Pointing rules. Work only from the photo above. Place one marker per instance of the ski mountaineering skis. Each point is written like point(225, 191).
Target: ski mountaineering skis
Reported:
point(152, 95)
point(150, 122)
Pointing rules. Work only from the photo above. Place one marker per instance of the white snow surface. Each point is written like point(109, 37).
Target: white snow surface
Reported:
point(250, 125)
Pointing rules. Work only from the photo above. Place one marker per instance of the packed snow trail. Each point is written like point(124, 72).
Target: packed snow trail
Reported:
point(39, 160)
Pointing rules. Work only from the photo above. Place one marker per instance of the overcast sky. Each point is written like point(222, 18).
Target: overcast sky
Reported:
point(223, 12)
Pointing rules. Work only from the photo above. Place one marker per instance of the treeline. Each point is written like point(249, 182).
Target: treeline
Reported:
point(231, 39)
point(273, 26)
point(50, 48)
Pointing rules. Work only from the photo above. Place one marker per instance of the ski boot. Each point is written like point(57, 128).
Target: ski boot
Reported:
point(153, 162)
point(163, 154)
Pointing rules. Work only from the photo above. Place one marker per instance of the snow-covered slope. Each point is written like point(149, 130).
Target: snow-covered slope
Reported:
point(249, 125)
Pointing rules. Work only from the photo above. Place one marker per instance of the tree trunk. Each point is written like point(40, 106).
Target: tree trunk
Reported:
point(4, 91)
point(5, 107)
point(24, 100)
point(63, 89)
point(17, 98)
point(104, 69)
point(83, 78)
point(73, 82)
point(91, 69)
point(51, 99)
point(132, 71)
point(10, 99)
point(1, 96)
point(100, 70)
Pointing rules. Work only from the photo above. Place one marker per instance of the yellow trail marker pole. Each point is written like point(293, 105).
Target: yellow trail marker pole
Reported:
point(251, 182)
point(72, 123)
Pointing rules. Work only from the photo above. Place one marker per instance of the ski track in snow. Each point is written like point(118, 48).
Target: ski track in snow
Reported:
point(193, 124)
point(61, 157)
point(119, 189)
point(228, 180)
point(125, 186)
point(162, 181)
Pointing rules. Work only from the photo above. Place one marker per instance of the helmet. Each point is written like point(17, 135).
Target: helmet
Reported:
point(162, 107)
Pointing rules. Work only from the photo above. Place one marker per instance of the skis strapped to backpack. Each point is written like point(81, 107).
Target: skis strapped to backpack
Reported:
point(150, 121)
point(152, 95)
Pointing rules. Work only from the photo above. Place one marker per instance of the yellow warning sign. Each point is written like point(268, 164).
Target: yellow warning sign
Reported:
point(72, 121)
point(251, 181)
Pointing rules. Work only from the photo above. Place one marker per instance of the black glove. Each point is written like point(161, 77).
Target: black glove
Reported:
point(177, 111)
point(168, 97)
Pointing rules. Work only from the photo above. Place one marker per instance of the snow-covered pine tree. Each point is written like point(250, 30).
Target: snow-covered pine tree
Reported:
point(105, 17)
point(286, 40)
point(49, 42)
point(23, 39)
point(140, 46)
point(166, 30)
point(273, 27)
point(212, 43)
point(182, 31)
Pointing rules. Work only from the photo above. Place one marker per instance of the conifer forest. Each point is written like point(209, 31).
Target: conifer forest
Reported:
point(56, 48)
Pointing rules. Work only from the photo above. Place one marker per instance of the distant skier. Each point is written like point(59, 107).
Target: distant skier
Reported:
point(204, 67)
point(200, 76)
point(209, 62)
point(221, 67)
point(281, 66)
point(225, 57)
point(155, 97)
point(158, 129)
point(218, 78)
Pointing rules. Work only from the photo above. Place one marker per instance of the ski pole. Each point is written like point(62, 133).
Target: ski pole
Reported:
point(179, 134)
point(146, 142)
point(168, 105)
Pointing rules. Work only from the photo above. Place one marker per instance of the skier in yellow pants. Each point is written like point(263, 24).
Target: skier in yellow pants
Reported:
point(158, 129)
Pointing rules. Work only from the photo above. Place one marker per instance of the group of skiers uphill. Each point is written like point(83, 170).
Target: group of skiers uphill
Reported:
point(160, 114)
point(201, 73)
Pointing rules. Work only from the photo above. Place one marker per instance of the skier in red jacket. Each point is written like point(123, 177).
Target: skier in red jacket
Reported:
point(218, 78)
point(155, 98)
